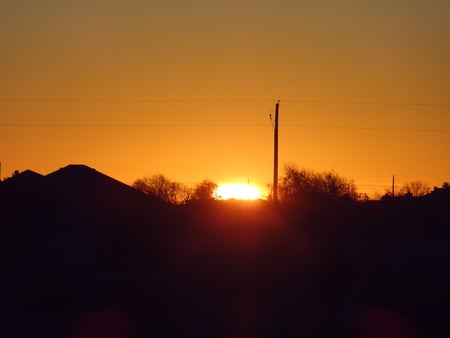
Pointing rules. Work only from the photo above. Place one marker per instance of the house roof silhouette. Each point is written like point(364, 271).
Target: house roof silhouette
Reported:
point(76, 186)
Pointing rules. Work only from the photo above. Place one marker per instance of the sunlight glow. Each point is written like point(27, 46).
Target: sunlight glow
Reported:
point(237, 191)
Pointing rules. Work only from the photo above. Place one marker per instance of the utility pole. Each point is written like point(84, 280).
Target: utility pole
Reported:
point(393, 185)
point(275, 155)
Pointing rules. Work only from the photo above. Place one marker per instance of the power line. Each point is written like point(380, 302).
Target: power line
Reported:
point(212, 100)
point(388, 129)
point(138, 100)
point(215, 125)
point(124, 125)
point(379, 103)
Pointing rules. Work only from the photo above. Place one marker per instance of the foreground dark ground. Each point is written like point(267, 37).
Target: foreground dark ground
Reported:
point(86, 256)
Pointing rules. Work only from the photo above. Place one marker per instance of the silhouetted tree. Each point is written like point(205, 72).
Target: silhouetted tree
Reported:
point(165, 189)
point(415, 189)
point(306, 183)
point(204, 190)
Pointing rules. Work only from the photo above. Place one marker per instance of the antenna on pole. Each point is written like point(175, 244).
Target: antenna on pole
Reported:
point(275, 155)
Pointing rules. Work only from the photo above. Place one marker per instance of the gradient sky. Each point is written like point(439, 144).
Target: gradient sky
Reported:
point(185, 88)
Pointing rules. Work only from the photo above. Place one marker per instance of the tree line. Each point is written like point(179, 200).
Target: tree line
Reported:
point(175, 192)
point(296, 184)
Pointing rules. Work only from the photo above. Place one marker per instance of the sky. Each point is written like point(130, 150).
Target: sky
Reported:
point(185, 88)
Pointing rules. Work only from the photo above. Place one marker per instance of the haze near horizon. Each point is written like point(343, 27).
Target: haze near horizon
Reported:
point(186, 88)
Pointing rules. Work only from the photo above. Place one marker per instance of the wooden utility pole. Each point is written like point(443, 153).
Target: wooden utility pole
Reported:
point(393, 185)
point(275, 155)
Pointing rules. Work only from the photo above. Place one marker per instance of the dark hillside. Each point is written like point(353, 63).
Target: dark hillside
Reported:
point(72, 242)
point(90, 188)
point(84, 255)
point(21, 188)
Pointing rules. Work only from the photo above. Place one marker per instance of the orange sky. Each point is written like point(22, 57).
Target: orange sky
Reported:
point(184, 88)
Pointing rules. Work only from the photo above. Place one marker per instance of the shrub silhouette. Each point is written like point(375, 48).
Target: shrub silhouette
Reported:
point(415, 189)
point(309, 184)
point(163, 188)
point(205, 190)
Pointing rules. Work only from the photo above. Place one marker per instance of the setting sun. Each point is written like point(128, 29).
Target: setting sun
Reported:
point(237, 191)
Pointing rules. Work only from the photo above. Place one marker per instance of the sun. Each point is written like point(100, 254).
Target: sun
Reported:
point(238, 192)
